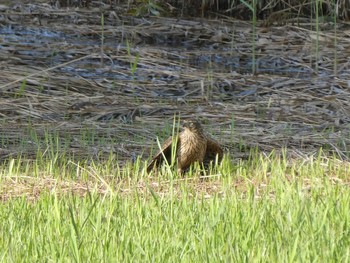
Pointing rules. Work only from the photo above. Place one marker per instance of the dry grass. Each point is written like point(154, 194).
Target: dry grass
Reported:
point(280, 11)
point(205, 186)
point(56, 80)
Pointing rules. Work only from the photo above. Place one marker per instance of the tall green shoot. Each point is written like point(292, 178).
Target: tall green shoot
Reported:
point(252, 8)
point(21, 89)
point(102, 37)
point(317, 3)
point(335, 64)
point(133, 63)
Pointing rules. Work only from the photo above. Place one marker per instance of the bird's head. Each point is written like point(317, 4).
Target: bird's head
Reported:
point(192, 125)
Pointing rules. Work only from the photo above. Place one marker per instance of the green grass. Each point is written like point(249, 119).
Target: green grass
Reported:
point(265, 209)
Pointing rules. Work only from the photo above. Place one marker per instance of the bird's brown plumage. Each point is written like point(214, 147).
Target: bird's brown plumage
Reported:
point(192, 146)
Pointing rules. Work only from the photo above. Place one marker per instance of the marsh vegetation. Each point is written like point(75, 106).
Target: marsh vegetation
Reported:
point(87, 87)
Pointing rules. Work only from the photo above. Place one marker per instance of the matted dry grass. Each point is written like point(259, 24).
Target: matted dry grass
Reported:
point(32, 187)
point(57, 76)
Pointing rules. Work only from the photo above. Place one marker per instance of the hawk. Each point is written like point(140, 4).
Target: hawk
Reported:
point(193, 145)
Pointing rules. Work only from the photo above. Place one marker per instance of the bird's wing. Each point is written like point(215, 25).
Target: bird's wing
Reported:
point(165, 151)
point(213, 149)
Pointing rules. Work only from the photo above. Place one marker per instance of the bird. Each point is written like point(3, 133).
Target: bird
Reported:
point(193, 145)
